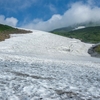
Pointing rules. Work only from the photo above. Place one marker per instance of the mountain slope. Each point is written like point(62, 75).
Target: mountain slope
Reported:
point(88, 34)
point(6, 30)
point(72, 27)
point(46, 66)
point(44, 44)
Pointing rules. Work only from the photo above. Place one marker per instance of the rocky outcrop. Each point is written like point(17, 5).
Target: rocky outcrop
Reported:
point(92, 51)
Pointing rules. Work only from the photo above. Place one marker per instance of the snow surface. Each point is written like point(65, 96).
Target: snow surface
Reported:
point(44, 66)
point(79, 27)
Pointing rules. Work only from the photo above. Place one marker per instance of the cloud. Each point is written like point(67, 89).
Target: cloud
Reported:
point(16, 5)
point(77, 13)
point(90, 2)
point(93, 2)
point(8, 21)
point(52, 8)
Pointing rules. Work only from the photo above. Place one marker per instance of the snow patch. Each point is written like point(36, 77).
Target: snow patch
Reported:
point(79, 27)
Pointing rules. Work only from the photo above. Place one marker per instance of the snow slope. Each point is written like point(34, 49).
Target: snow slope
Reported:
point(41, 43)
point(44, 66)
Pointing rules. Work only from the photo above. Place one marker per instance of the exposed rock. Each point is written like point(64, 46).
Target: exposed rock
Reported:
point(92, 51)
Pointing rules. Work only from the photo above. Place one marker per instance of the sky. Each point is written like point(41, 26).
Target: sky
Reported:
point(48, 15)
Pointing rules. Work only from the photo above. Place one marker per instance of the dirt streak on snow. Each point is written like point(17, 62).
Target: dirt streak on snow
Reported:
point(44, 66)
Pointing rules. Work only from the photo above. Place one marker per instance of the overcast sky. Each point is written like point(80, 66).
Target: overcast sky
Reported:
point(48, 14)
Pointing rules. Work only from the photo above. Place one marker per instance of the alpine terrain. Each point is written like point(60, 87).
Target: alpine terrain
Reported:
point(45, 66)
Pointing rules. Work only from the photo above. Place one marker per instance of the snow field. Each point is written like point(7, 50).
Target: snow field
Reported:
point(44, 66)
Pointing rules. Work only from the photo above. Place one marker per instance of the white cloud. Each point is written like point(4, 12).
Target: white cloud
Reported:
point(8, 21)
point(90, 2)
point(52, 8)
point(77, 13)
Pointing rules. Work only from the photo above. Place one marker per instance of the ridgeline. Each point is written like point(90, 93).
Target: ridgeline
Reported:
point(6, 30)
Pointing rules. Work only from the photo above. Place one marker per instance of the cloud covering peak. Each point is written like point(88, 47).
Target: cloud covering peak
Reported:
point(77, 13)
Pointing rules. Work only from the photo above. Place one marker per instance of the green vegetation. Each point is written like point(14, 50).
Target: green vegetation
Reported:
point(6, 30)
point(88, 34)
point(97, 49)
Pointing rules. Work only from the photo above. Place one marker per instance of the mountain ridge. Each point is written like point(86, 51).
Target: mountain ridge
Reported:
point(6, 30)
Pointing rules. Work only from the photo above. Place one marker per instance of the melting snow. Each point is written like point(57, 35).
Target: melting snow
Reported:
point(44, 66)
point(80, 27)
